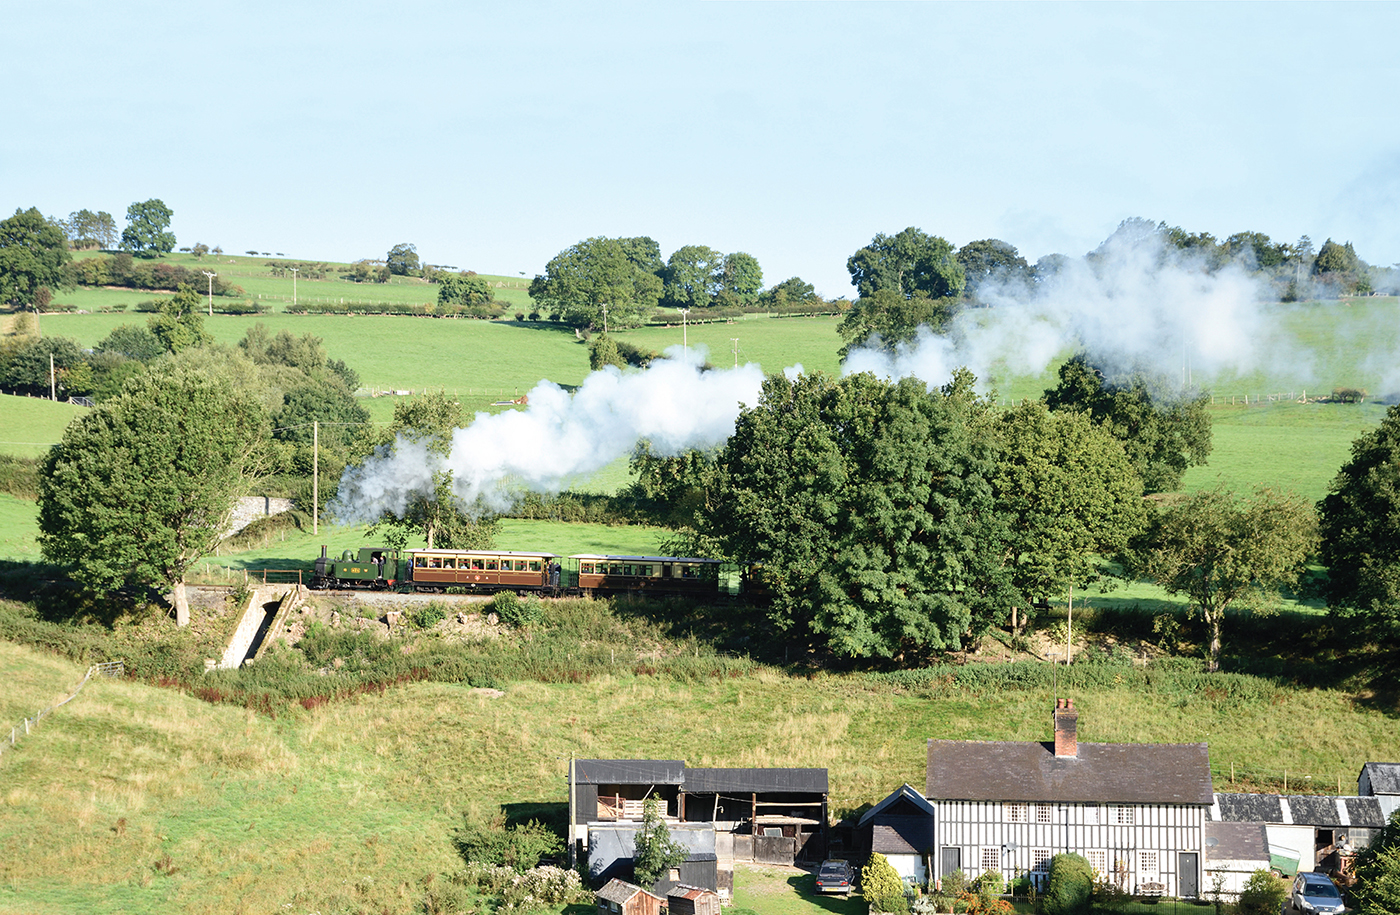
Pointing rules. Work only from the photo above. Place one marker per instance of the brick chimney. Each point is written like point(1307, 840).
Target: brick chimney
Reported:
point(1066, 726)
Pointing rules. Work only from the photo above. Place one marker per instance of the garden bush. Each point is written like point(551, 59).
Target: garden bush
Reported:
point(1071, 884)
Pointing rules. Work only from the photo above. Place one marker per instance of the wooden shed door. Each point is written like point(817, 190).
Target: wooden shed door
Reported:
point(950, 861)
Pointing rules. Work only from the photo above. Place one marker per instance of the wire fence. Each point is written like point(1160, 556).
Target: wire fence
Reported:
point(1246, 778)
point(22, 729)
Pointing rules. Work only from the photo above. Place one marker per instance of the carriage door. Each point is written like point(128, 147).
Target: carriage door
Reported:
point(950, 861)
point(1187, 876)
point(666, 570)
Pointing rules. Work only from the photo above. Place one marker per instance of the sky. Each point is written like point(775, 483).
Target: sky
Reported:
point(492, 136)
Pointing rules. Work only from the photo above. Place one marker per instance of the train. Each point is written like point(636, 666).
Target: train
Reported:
point(524, 571)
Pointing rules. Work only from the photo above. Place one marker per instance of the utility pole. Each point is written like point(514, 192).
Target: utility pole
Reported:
point(294, 285)
point(315, 476)
point(735, 347)
point(53, 388)
point(685, 335)
point(211, 290)
point(605, 319)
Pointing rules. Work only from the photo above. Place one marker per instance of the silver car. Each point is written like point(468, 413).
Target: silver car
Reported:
point(1315, 893)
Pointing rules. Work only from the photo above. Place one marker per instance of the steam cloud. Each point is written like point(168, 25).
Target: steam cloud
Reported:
point(1134, 306)
point(559, 436)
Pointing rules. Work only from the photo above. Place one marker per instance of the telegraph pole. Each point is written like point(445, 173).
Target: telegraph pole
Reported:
point(735, 341)
point(315, 476)
point(211, 290)
point(294, 285)
point(685, 335)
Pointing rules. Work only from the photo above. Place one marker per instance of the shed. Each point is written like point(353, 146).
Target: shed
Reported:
point(618, 897)
point(692, 900)
point(1234, 851)
point(901, 827)
point(1381, 781)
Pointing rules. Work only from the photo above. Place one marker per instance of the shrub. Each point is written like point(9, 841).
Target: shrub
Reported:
point(429, 615)
point(1071, 883)
point(496, 844)
point(882, 886)
point(1263, 894)
point(515, 612)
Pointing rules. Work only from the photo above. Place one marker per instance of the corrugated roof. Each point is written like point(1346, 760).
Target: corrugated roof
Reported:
point(629, 771)
point(683, 891)
point(1249, 808)
point(1364, 811)
point(1237, 842)
point(619, 891)
point(1311, 810)
point(705, 781)
point(903, 793)
point(962, 770)
point(1384, 777)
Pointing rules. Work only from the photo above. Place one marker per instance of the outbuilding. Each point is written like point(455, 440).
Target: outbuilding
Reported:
point(692, 900)
point(618, 897)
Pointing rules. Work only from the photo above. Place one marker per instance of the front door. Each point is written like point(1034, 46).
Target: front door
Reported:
point(1187, 875)
point(950, 861)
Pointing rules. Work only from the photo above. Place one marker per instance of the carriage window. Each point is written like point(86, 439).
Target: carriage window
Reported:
point(476, 564)
point(449, 563)
point(627, 570)
point(534, 565)
point(615, 569)
point(435, 563)
point(687, 571)
point(420, 562)
point(644, 570)
point(586, 568)
point(490, 565)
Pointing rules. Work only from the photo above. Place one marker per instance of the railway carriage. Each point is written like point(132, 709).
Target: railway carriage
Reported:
point(647, 574)
point(481, 570)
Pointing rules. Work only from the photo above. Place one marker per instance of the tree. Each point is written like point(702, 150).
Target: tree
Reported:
point(1069, 495)
point(869, 509)
point(33, 254)
point(142, 487)
point(1335, 259)
point(402, 260)
point(466, 289)
point(911, 263)
point(1263, 894)
point(1377, 870)
point(1161, 436)
point(655, 852)
point(147, 232)
point(438, 515)
point(991, 261)
point(179, 324)
point(888, 319)
point(1256, 249)
point(24, 367)
point(1071, 884)
point(691, 277)
point(791, 292)
point(132, 342)
point(739, 280)
point(880, 884)
point(1223, 552)
point(599, 275)
point(1360, 536)
point(87, 229)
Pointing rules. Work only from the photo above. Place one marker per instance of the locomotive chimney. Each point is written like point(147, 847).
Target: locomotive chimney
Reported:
point(323, 551)
point(1066, 728)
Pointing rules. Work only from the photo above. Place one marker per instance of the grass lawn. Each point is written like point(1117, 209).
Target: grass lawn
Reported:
point(788, 891)
point(19, 528)
point(29, 426)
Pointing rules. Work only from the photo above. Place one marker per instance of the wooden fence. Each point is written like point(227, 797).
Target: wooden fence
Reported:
point(105, 669)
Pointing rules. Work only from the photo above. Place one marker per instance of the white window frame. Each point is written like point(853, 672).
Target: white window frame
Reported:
point(1040, 860)
point(1098, 860)
point(1149, 866)
point(1044, 813)
point(991, 858)
point(1017, 813)
point(1124, 815)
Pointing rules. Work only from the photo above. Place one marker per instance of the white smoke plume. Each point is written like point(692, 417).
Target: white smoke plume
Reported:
point(558, 437)
point(1132, 306)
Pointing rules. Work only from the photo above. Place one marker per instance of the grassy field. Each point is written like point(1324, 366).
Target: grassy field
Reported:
point(139, 799)
point(29, 426)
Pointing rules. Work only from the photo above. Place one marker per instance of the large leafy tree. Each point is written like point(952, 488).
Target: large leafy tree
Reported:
point(26, 363)
point(1069, 495)
point(692, 274)
point(596, 275)
point(402, 260)
point(142, 487)
point(1360, 525)
point(1161, 436)
point(33, 254)
point(654, 851)
point(147, 232)
point(87, 229)
point(868, 508)
point(179, 325)
point(891, 319)
point(740, 279)
point(1223, 552)
point(991, 260)
point(911, 263)
point(1377, 870)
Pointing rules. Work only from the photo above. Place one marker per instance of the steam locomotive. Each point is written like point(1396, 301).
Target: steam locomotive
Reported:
point(489, 571)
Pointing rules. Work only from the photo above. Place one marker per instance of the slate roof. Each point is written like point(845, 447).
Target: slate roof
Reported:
point(1385, 777)
point(1237, 842)
point(901, 835)
point(716, 781)
point(1249, 808)
point(1302, 810)
point(903, 793)
point(629, 771)
point(996, 770)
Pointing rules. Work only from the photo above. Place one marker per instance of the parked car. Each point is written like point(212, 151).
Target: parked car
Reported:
point(1315, 893)
point(835, 876)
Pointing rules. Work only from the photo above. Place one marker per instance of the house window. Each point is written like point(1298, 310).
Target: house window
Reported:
point(1043, 812)
point(1093, 815)
point(1147, 867)
point(1040, 859)
point(1098, 860)
point(1016, 813)
point(991, 859)
point(1124, 815)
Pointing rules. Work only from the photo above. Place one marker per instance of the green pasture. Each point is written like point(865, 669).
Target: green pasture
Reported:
point(773, 343)
point(29, 425)
point(138, 799)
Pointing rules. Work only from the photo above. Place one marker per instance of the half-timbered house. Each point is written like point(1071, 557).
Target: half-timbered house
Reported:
point(1137, 812)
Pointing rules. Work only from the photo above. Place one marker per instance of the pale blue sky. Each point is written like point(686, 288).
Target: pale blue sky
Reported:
point(493, 135)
